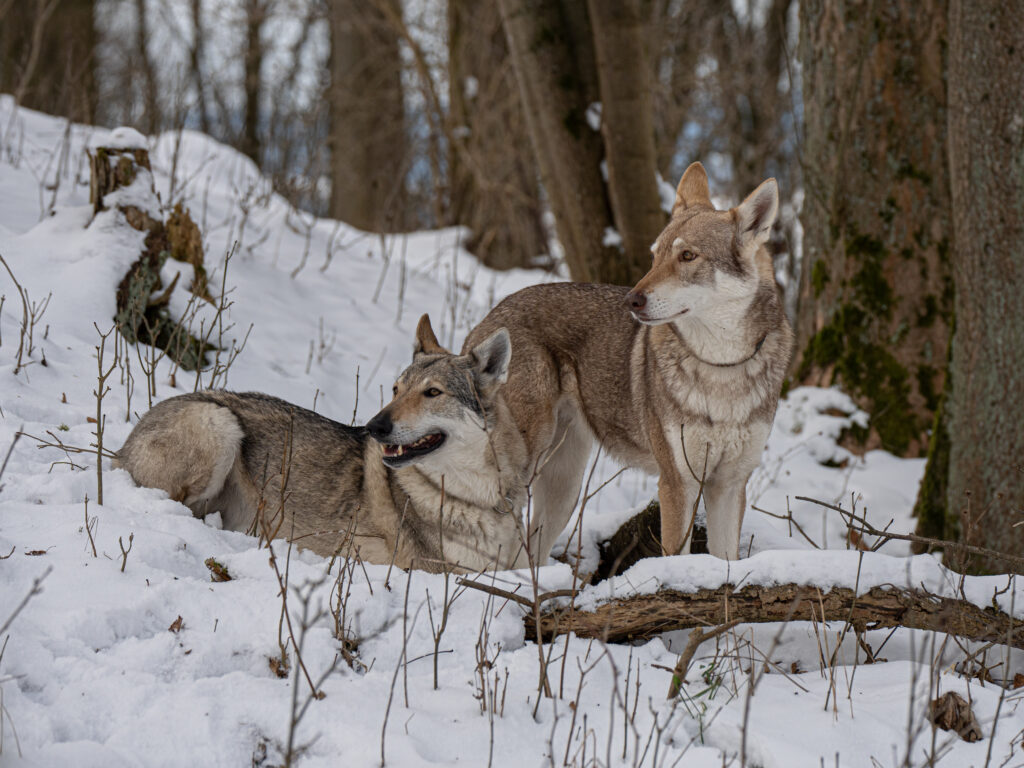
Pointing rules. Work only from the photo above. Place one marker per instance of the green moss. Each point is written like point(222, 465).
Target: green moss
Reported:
point(140, 318)
point(125, 171)
point(819, 277)
point(889, 210)
point(926, 386)
point(934, 518)
point(930, 312)
point(866, 370)
point(871, 290)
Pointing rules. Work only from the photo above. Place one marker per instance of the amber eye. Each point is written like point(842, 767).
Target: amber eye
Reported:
point(687, 256)
point(432, 392)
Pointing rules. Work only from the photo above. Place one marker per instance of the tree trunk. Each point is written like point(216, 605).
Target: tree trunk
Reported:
point(552, 52)
point(150, 121)
point(252, 59)
point(986, 155)
point(876, 293)
point(624, 76)
point(495, 189)
point(367, 115)
point(195, 61)
point(47, 56)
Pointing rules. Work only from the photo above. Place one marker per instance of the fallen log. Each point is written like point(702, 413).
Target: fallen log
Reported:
point(641, 617)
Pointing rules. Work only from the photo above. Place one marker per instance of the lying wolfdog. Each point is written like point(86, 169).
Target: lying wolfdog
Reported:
point(447, 438)
point(680, 375)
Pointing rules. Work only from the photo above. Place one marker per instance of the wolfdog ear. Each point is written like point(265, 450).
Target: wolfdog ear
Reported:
point(426, 342)
point(756, 214)
point(692, 189)
point(490, 359)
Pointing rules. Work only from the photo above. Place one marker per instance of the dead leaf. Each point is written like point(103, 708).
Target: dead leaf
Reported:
point(951, 713)
point(836, 412)
point(218, 571)
point(1018, 680)
point(90, 419)
point(177, 625)
point(278, 666)
point(36, 552)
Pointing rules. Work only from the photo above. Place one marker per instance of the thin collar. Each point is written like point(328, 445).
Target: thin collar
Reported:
point(747, 359)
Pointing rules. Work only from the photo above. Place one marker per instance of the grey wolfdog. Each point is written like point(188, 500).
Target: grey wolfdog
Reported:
point(437, 486)
point(679, 376)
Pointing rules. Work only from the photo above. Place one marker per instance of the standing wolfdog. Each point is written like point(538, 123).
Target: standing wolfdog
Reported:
point(680, 375)
point(439, 485)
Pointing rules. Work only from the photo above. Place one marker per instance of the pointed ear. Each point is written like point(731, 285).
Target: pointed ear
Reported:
point(426, 342)
point(755, 215)
point(692, 189)
point(490, 359)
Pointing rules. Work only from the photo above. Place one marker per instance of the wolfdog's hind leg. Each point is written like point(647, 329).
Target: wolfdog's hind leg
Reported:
point(556, 489)
point(185, 448)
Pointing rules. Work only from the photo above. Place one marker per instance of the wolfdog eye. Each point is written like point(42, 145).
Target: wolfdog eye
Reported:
point(687, 256)
point(394, 391)
point(432, 392)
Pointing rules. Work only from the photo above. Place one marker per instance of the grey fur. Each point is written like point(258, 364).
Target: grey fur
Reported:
point(319, 481)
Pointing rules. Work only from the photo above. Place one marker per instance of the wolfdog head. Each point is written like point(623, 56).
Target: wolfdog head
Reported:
point(442, 407)
point(705, 257)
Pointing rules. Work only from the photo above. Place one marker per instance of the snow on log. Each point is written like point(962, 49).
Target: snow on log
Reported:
point(868, 589)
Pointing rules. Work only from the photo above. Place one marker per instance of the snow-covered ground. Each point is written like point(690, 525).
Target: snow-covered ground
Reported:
point(99, 670)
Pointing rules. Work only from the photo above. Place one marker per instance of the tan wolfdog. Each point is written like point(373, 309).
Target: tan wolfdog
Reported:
point(439, 484)
point(679, 376)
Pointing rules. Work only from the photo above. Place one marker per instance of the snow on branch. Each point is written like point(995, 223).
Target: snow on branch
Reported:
point(869, 590)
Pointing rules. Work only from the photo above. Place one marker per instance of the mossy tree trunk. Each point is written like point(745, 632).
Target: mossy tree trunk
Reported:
point(876, 293)
point(986, 152)
point(495, 184)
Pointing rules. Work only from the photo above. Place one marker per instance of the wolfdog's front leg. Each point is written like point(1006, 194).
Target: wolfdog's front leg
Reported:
point(726, 502)
point(675, 494)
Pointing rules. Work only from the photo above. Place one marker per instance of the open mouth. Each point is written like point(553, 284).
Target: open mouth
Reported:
point(643, 318)
point(395, 455)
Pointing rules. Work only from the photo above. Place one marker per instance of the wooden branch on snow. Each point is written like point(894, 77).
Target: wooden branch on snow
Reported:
point(639, 617)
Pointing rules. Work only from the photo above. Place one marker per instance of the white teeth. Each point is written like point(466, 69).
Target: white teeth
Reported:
point(401, 450)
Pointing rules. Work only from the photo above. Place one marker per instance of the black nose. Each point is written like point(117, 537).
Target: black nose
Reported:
point(636, 301)
point(380, 426)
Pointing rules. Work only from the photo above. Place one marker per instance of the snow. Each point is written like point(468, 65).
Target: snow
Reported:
point(92, 673)
point(122, 137)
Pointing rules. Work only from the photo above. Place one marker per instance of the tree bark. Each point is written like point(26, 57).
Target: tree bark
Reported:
point(641, 617)
point(551, 47)
point(249, 143)
point(195, 61)
point(150, 120)
point(875, 293)
point(986, 155)
point(47, 56)
point(624, 77)
point(495, 185)
point(367, 116)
